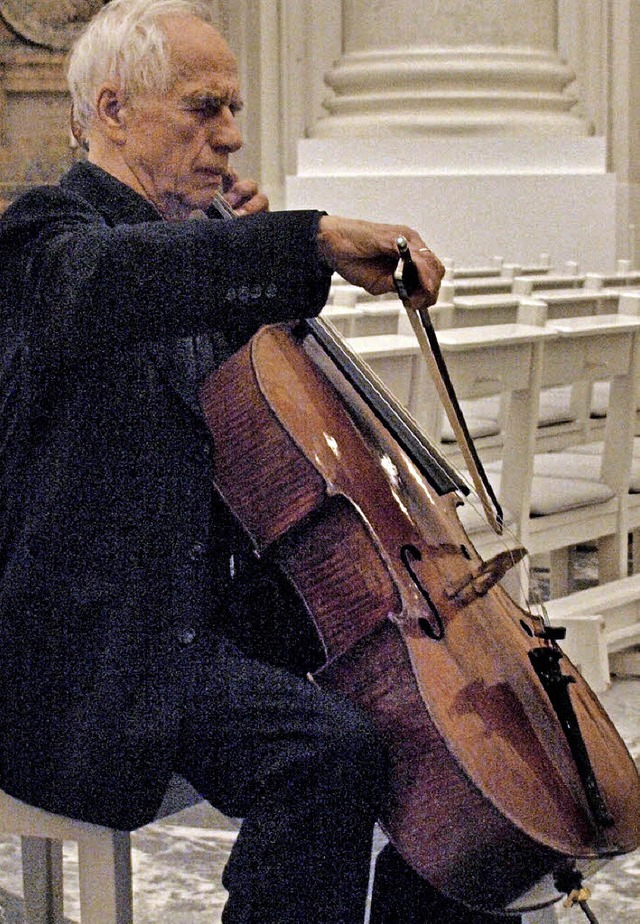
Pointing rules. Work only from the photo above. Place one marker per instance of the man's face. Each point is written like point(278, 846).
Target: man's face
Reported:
point(178, 145)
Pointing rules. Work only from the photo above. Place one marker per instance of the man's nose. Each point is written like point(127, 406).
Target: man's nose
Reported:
point(226, 136)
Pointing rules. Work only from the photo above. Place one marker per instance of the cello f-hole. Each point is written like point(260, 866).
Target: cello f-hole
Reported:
point(431, 625)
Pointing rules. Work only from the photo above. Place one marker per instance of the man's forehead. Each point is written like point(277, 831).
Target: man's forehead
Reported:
point(197, 49)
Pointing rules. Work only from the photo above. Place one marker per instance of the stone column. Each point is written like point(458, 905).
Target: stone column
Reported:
point(35, 142)
point(450, 67)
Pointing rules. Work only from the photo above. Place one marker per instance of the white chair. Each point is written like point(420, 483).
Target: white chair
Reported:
point(396, 360)
point(528, 285)
point(555, 501)
point(624, 276)
point(497, 267)
point(480, 285)
point(557, 407)
point(343, 317)
point(379, 317)
point(503, 361)
point(577, 498)
point(104, 860)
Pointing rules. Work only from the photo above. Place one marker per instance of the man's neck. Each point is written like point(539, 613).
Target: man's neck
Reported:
point(112, 162)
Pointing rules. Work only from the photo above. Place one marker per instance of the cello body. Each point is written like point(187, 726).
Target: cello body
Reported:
point(486, 800)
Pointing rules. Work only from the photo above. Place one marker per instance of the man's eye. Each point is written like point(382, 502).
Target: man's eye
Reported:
point(208, 109)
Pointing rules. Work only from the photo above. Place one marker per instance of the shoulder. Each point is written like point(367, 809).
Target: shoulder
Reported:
point(44, 203)
point(42, 213)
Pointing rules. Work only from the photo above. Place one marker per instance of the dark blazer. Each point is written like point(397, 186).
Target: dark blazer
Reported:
point(113, 550)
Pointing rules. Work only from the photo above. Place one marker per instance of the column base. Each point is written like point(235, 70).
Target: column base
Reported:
point(471, 199)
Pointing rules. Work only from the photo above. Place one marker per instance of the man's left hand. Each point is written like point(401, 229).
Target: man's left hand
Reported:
point(244, 196)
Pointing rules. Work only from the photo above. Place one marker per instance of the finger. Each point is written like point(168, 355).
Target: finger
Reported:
point(241, 191)
point(258, 203)
point(246, 199)
point(229, 180)
point(430, 273)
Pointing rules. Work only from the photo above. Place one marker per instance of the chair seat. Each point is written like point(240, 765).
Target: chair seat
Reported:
point(478, 427)
point(584, 462)
point(482, 415)
point(556, 495)
point(555, 488)
point(17, 817)
point(555, 406)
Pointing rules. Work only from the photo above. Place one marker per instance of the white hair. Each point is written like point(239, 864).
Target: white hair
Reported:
point(125, 43)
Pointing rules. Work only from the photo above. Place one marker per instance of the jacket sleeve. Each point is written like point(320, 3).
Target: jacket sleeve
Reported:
point(90, 286)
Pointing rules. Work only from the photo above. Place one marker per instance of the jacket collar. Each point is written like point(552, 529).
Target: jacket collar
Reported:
point(118, 203)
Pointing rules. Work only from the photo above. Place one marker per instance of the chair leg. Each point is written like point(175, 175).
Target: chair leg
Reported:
point(613, 557)
point(104, 864)
point(635, 551)
point(559, 574)
point(42, 880)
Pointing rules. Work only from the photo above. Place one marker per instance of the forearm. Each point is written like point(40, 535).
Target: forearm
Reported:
point(97, 286)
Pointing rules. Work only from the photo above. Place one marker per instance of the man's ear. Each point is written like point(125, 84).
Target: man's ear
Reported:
point(110, 112)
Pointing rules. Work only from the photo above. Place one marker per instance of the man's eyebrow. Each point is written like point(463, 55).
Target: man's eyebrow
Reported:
point(208, 97)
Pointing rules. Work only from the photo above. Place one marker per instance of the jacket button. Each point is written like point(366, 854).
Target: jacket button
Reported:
point(196, 551)
point(186, 636)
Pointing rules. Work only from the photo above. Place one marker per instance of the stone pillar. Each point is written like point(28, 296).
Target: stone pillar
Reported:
point(35, 141)
point(457, 117)
point(625, 121)
point(450, 67)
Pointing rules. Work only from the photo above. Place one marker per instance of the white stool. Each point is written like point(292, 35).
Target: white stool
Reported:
point(104, 860)
point(544, 916)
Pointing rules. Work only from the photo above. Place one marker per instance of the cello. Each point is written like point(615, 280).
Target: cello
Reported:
point(508, 780)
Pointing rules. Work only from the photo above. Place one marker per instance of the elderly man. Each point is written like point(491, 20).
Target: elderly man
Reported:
point(119, 565)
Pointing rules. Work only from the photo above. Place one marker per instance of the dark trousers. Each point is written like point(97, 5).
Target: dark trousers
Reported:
point(305, 770)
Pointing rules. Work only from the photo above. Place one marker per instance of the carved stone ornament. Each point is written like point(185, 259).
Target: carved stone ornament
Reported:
point(52, 23)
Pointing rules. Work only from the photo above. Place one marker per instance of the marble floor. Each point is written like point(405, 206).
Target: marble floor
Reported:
point(177, 862)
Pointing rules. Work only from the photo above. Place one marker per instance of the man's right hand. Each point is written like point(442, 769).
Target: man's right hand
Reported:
point(366, 254)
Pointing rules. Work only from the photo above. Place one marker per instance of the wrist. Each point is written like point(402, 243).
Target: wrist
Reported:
point(325, 240)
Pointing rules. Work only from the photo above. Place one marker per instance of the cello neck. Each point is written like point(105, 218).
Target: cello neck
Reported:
point(394, 417)
point(431, 463)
